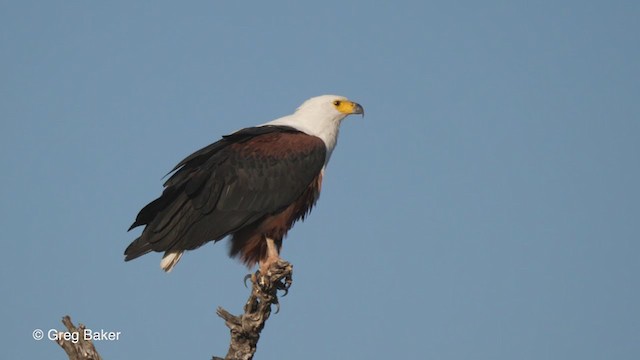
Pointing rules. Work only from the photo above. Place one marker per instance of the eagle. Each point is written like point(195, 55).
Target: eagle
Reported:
point(251, 185)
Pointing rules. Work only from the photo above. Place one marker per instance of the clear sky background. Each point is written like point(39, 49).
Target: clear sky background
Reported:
point(487, 206)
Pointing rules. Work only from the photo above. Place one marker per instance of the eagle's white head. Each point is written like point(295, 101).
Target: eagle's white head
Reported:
point(328, 108)
point(321, 116)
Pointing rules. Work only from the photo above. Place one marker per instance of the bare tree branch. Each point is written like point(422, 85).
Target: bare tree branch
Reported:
point(245, 329)
point(79, 349)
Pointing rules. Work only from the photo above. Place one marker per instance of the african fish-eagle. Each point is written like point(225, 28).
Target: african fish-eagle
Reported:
point(252, 185)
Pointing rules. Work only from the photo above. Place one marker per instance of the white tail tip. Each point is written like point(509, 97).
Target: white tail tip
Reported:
point(170, 259)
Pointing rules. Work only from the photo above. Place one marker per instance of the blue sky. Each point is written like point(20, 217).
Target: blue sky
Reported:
point(486, 207)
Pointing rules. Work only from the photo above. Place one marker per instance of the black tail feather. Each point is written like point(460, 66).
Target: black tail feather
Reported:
point(136, 249)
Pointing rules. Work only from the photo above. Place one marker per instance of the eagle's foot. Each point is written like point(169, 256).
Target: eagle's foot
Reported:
point(286, 279)
point(276, 276)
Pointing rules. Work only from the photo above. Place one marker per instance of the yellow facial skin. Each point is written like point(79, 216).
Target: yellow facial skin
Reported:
point(348, 107)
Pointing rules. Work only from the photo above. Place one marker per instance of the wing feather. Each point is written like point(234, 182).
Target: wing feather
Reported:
point(227, 185)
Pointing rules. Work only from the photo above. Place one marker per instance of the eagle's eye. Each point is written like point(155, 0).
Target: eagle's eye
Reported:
point(336, 103)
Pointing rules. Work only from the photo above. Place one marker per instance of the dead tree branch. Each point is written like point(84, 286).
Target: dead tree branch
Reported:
point(245, 329)
point(77, 348)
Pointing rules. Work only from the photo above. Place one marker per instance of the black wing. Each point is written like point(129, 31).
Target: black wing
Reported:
point(227, 185)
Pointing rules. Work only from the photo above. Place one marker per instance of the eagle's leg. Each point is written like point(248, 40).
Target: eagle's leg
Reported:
point(272, 256)
point(274, 269)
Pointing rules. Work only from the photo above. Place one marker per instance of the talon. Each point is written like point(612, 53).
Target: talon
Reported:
point(277, 304)
point(283, 285)
point(246, 277)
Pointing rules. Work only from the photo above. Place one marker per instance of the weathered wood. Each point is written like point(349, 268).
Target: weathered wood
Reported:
point(245, 328)
point(77, 350)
